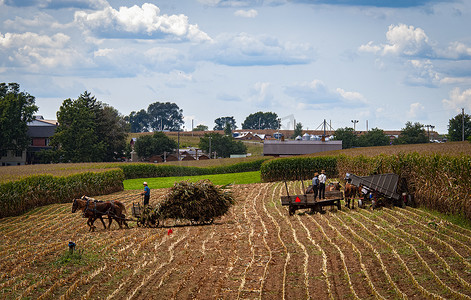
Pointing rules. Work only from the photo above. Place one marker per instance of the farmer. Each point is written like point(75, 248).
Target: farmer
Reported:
point(315, 185)
point(322, 180)
point(146, 194)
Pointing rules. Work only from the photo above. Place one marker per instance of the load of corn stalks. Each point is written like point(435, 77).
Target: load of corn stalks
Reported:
point(199, 202)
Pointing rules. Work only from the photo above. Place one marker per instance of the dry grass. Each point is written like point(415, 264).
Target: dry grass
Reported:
point(450, 148)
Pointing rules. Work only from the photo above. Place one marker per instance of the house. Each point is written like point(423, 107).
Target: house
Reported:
point(40, 131)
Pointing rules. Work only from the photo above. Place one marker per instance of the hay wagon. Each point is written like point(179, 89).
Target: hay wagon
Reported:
point(382, 189)
point(307, 201)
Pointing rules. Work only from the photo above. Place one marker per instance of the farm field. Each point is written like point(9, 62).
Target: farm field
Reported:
point(255, 251)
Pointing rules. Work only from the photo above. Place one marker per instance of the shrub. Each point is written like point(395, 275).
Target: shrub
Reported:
point(297, 168)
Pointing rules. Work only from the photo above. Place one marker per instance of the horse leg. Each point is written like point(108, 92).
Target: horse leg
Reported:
point(90, 224)
point(102, 222)
point(110, 220)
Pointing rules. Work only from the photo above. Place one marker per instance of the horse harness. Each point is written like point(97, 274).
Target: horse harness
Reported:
point(95, 212)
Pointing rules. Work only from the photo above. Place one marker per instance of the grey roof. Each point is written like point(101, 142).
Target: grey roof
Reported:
point(284, 148)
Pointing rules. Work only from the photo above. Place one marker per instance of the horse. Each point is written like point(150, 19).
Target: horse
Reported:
point(94, 209)
point(332, 186)
point(350, 192)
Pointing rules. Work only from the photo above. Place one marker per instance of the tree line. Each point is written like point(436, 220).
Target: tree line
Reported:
point(92, 131)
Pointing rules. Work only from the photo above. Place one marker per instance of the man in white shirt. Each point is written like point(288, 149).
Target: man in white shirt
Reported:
point(322, 180)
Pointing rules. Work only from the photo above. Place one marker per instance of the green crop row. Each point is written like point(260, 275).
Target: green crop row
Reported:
point(145, 170)
point(298, 168)
point(22, 195)
point(439, 182)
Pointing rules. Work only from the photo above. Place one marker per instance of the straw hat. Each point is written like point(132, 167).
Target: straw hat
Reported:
point(145, 183)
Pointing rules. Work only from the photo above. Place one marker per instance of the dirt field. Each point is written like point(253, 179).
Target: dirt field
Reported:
point(256, 251)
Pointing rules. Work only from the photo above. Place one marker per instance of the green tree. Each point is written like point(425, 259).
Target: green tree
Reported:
point(200, 127)
point(222, 122)
point(347, 136)
point(165, 116)
point(298, 130)
point(223, 145)
point(261, 120)
point(455, 127)
point(16, 110)
point(412, 134)
point(228, 129)
point(156, 144)
point(138, 121)
point(374, 137)
point(89, 131)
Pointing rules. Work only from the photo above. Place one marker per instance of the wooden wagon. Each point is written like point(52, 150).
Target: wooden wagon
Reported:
point(307, 201)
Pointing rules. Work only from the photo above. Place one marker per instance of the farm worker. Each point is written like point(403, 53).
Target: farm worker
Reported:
point(322, 180)
point(146, 194)
point(315, 185)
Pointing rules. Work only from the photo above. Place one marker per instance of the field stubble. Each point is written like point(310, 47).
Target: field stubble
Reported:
point(255, 251)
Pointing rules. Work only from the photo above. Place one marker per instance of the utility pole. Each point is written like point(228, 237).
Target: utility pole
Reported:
point(354, 123)
point(462, 126)
point(428, 130)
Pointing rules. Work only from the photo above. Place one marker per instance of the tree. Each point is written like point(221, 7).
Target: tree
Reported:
point(165, 116)
point(112, 129)
point(298, 130)
point(228, 129)
point(223, 145)
point(16, 110)
point(156, 144)
point(455, 127)
point(261, 120)
point(139, 121)
point(374, 137)
point(412, 134)
point(347, 136)
point(89, 131)
point(223, 121)
point(200, 127)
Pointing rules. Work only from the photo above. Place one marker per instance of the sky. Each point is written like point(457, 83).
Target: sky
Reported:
point(381, 63)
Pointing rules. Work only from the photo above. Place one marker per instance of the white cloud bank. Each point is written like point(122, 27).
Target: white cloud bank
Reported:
point(458, 99)
point(139, 22)
point(251, 13)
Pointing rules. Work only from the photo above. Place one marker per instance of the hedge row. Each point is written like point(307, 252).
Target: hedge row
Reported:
point(145, 170)
point(439, 182)
point(17, 197)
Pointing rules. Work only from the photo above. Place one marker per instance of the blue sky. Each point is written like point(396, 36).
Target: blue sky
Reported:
point(381, 62)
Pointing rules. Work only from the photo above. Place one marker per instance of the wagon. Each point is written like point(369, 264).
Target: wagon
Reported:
point(307, 201)
point(381, 187)
point(145, 215)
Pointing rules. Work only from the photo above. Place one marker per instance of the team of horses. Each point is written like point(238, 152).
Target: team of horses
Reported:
point(95, 209)
point(350, 192)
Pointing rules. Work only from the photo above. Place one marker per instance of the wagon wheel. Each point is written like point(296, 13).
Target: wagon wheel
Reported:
point(291, 210)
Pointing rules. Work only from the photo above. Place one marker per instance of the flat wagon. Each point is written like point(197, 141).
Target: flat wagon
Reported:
point(307, 201)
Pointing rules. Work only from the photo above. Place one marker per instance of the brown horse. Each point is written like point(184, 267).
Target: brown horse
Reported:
point(94, 209)
point(350, 192)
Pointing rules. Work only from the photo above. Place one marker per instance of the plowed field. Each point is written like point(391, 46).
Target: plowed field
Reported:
point(255, 251)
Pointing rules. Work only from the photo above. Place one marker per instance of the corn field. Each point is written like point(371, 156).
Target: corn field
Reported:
point(255, 251)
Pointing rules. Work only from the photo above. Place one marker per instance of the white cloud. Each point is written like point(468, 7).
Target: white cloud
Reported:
point(456, 50)
point(251, 13)
point(139, 22)
point(351, 96)
point(260, 92)
point(248, 50)
point(129, 61)
point(422, 73)
point(318, 95)
point(402, 40)
point(415, 110)
point(37, 52)
point(458, 99)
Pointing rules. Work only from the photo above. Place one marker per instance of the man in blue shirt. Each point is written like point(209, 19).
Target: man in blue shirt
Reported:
point(146, 194)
